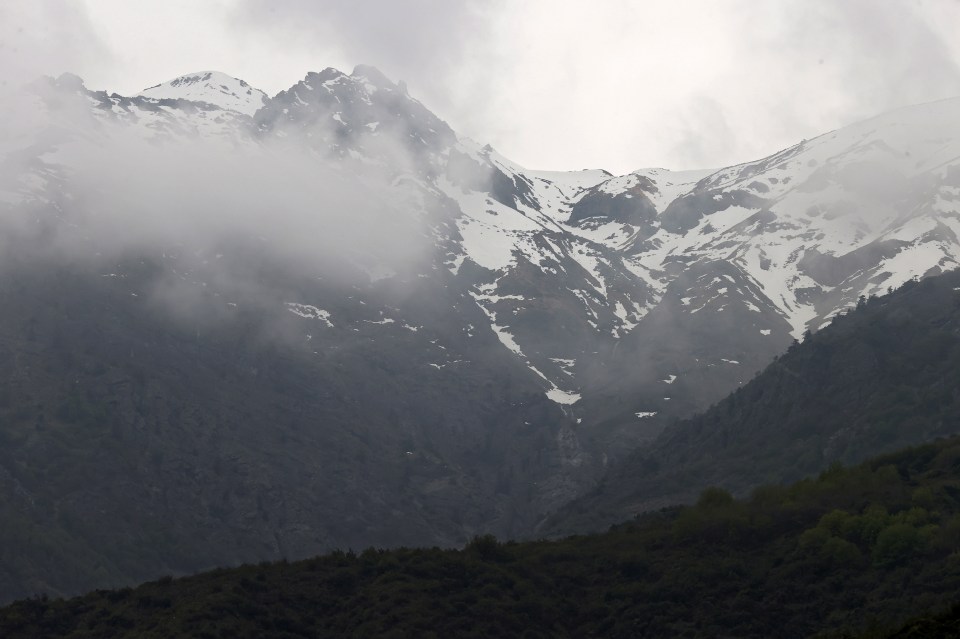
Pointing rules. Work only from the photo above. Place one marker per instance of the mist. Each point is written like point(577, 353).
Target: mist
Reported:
point(90, 187)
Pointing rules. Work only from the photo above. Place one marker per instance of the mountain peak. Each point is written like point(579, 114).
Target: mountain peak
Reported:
point(373, 75)
point(213, 87)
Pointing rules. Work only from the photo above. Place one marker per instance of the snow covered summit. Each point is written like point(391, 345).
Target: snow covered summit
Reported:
point(606, 290)
point(212, 87)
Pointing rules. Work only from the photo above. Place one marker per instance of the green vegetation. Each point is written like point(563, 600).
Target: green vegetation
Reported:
point(851, 551)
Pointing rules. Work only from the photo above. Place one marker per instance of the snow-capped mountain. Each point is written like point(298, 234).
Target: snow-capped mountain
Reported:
point(210, 87)
point(484, 336)
point(583, 275)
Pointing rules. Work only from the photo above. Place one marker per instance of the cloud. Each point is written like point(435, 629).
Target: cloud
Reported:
point(894, 57)
point(47, 37)
point(617, 84)
point(622, 84)
point(425, 42)
point(840, 62)
point(703, 132)
point(776, 72)
point(422, 35)
point(223, 211)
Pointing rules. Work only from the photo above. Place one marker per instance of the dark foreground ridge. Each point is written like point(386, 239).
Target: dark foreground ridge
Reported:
point(854, 550)
point(945, 625)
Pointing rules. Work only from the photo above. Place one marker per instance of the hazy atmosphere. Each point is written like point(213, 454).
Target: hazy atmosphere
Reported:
point(439, 318)
point(619, 85)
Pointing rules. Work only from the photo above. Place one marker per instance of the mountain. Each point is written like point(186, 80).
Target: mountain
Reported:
point(762, 252)
point(210, 87)
point(878, 378)
point(323, 319)
point(312, 377)
point(853, 551)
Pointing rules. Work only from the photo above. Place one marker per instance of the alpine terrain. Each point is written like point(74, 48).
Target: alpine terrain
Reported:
point(236, 327)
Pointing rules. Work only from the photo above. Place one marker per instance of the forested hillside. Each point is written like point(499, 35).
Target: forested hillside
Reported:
point(133, 446)
point(945, 625)
point(854, 550)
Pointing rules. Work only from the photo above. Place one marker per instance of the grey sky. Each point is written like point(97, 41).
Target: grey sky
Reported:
point(615, 84)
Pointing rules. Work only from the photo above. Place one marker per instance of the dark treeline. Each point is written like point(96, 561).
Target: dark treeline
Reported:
point(855, 550)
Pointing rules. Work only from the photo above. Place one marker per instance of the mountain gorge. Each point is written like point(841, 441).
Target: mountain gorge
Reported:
point(265, 327)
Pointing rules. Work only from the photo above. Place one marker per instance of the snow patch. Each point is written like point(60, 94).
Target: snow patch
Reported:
point(309, 312)
point(562, 397)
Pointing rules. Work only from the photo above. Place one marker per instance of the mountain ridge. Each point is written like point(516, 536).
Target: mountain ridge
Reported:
point(475, 343)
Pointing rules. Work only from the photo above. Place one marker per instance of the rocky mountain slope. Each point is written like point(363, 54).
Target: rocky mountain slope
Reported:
point(876, 379)
point(393, 334)
point(779, 245)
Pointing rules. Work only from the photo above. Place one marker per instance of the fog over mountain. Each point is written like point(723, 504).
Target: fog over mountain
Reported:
point(141, 174)
point(239, 327)
point(565, 85)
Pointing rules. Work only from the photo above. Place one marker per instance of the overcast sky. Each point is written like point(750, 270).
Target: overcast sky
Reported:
point(552, 84)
